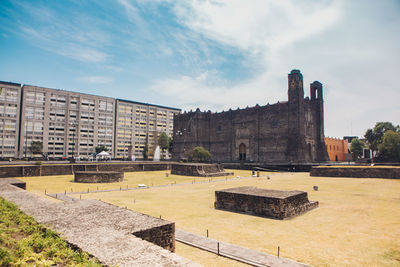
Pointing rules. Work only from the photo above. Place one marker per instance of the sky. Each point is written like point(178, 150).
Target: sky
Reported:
point(213, 55)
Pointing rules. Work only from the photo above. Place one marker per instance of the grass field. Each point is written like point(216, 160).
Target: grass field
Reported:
point(24, 242)
point(62, 183)
point(357, 222)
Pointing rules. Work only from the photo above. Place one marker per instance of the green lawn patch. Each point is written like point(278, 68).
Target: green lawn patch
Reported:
point(25, 242)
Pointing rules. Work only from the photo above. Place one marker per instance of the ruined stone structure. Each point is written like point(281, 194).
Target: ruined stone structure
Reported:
point(67, 169)
point(98, 177)
point(290, 132)
point(388, 172)
point(116, 236)
point(273, 204)
point(199, 169)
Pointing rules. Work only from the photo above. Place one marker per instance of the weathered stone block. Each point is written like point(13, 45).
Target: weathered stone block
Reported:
point(98, 177)
point(199, 169)
point(268, 203)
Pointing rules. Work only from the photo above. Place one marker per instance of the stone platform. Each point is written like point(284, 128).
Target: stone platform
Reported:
point(114, 235)
point(268, 203)
point(199, 169)
point(98, 177)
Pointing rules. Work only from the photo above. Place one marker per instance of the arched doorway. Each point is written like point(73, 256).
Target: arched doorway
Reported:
point(242, 151)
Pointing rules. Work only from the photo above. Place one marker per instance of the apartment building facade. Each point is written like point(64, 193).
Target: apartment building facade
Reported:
point(68, 124)
point(71, 124)
point(138, 126)
point(10, 98)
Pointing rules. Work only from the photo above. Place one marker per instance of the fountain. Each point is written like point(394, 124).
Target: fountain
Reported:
point(156, 156)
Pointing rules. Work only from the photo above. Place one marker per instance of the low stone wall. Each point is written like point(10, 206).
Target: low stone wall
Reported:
point(357, 172)
point(108, 232)
point(14, 182)
point(199, 169)
point(98, 177)
point(68, 169)
point(273, 204)
point(163, 236)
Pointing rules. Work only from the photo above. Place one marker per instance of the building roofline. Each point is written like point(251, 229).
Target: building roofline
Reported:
point(11, 83)
point(64, 90)
point(147, 104)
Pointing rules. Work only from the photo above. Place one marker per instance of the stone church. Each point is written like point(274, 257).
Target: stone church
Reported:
point(289, 132)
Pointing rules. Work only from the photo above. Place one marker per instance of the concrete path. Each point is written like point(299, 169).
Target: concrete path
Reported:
point(241, 254)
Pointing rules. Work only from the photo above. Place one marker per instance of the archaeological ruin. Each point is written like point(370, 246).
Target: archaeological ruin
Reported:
point(274, 204)
point(199, 169)
point(98, 177)
point(288, 132)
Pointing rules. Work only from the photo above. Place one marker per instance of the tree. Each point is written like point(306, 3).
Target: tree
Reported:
point(145, 152)
point(101, 148)
point(36, 147)
point(356, 147)
point(163, 141)
point(375, 136)
point(170, 144)
point(200, 154)
point(389, 149)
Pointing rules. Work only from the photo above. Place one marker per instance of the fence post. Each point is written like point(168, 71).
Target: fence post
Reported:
point(218, 248)
point(278, 251)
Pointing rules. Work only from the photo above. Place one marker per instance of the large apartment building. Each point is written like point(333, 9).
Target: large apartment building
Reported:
point(67, 123)
point(10, 99)
point(138, 126)
point(71, 124)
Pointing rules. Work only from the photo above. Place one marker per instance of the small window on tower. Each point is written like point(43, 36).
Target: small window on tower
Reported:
point(219, 128)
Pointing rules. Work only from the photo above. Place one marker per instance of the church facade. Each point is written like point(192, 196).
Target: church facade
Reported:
point(290, 132)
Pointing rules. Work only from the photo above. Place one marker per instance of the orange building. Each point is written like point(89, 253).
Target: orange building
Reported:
point(337, 148)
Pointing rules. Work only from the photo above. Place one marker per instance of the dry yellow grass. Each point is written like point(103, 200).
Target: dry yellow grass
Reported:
point(60, 183)
point(356, 224)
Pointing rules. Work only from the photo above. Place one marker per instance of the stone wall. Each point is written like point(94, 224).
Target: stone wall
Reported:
point(98, 177)
point(273, 204)
point(67, 169)
point(163, 236)
point(199, 169)
point(357, 172)
point(108, 232)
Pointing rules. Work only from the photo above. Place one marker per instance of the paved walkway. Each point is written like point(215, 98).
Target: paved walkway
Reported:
point(241, 254)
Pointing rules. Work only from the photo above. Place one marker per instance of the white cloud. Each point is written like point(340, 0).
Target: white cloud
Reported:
point(259, 24)
point(97, 79)
point(341, 43)
point(78, 39)
point(261, 29)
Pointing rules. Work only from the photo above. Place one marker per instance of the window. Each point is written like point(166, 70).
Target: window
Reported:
point(12, 95)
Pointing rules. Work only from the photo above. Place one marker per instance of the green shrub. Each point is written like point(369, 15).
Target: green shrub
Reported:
point(200, 154)
point(38, 163)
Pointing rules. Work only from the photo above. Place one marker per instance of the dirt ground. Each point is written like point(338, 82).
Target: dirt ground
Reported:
point(357, 222)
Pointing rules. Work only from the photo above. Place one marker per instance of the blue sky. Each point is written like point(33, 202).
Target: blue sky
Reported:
point(214, 55)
